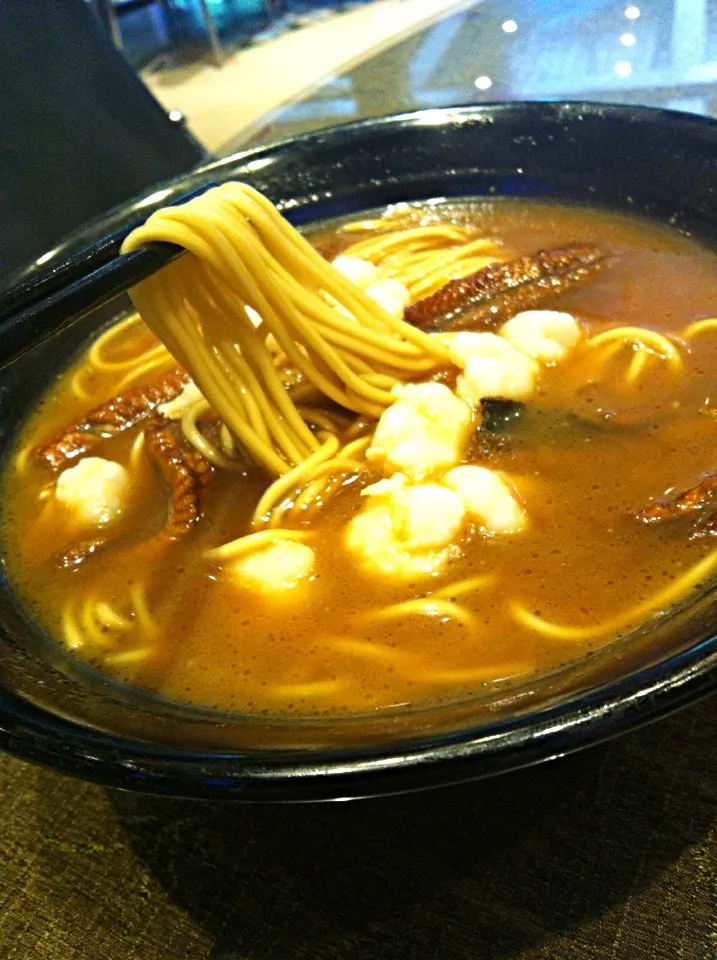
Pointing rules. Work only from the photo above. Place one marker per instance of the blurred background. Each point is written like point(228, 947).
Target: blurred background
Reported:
point(110, 96)
point(368, 57)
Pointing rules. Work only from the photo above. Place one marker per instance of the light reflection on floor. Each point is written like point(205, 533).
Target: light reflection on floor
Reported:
point(664, 56)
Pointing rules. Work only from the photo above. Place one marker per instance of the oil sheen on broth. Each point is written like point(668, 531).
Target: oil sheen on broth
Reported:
point(584, 455)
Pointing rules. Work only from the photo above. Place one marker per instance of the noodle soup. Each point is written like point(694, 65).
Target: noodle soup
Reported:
point(332, 564)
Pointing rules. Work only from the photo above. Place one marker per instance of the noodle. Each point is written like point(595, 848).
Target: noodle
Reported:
point(76, 387)
point(315, 688)
point(424, 607)
point(246, 256)
point(425, 258)
point(160, 360)
point(137, 451)
point(369, 650)
point(665, 598)
point(128, 657)
point(699, 327)
point(139, 605)
point(97, 624)
point(254, 541)
point(291, 480)
point(463, 587)
point(645, 342)
point(291, 367)
point(199, 441)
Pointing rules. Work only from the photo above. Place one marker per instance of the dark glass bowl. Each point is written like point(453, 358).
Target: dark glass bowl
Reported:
point(57, 712)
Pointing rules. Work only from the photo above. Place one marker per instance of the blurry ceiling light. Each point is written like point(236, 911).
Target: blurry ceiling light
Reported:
point(510, 26)
point(628, 40)
point(483, 83)
point(623, 68)
point(632, 13)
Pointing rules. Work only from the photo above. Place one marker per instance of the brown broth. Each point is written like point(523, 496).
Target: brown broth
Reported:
point(582, 560)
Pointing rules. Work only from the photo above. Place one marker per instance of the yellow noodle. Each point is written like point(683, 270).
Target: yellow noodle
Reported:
point(315, 688)
point(664, 599)
point(323, 419)
point(416, 265)
point(699, 327)
point(636, 365)
point(251, 365)
point(128, 657)
point(92, 629)
point(152, 354)
point(245, 254)
point(105, 340)
point(71, 632)
point(200, 442)
point(292, 480)
point(254, 541)
point(23, 458)
point(335, 465)
point(430, 283)
point(226, 440)
point(137, 452)
point(356, 448)
point(641, 337)
point(150, 366)
point(76, 387)
point(424, 607)
point(369, 650)
point(377, 248)
point(425, 258)
point(141, 611)
point(108, 617)
point(462, 587)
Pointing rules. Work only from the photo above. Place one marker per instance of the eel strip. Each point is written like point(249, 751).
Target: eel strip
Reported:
point(685, 501)
point(496, 293)
point(184, 470)
point(110, 418)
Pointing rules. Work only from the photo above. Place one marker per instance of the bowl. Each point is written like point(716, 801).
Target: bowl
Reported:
point(57, 711)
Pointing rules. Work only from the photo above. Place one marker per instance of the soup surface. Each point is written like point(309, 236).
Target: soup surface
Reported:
point(612, 427)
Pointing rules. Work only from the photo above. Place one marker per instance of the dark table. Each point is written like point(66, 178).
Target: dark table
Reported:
point(608, 855)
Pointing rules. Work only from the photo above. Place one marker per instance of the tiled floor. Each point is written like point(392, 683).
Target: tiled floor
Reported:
point(394, 55)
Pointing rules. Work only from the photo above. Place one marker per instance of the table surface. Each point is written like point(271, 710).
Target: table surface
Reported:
point(527, 50)
point(608, 855)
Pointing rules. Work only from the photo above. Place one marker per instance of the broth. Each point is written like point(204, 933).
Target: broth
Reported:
point(591, 449)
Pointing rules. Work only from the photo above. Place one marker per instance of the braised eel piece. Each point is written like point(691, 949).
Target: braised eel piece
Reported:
point(689, 500)
point(484, 300)
point(183, 469)
point(81, 551)
point(110, 418)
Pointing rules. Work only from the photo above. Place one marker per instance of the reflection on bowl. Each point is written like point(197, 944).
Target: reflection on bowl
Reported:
point(57, 711)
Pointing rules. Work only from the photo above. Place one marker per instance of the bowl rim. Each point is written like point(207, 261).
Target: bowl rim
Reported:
point(36, 734)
